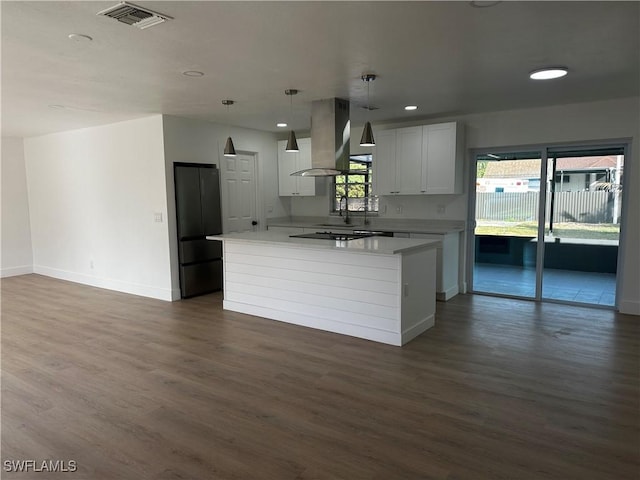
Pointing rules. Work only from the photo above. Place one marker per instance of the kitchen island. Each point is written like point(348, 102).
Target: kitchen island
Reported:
point(450, 258)
point(377, 288)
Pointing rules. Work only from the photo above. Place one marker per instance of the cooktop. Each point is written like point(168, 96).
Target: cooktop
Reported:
point(332, 236)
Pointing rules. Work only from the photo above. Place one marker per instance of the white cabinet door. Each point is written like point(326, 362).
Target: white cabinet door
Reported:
point(441, 162)
point(384, 163)
point(409, 160)
point(306, 186)
point(289, 162)
point(426, 159)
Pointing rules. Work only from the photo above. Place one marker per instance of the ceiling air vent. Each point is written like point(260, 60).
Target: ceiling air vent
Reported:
point(133, 15)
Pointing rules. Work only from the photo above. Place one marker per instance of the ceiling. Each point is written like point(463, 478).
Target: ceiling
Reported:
point(448, 58)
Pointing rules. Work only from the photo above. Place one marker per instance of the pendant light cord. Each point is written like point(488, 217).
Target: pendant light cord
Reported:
point(291, 110)
point(368, 100)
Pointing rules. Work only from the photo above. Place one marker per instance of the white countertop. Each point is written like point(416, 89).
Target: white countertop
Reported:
point(393, 225)
point(369, 245)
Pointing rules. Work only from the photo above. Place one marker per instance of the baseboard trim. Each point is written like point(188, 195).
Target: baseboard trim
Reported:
point(422, 326)
point(15, 271)
point(447, 294)
point(629, 307)
point(107, 283)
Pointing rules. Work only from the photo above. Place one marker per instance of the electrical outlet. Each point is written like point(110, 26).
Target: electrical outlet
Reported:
point(157, 217)
point(441, 209)
point(399, 209)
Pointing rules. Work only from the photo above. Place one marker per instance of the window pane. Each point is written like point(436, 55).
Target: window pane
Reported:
point(357, 184)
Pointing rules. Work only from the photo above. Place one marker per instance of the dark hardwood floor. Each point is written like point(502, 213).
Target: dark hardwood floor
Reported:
point(134, 388)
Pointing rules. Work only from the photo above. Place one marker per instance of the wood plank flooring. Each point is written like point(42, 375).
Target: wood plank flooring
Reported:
point(134, 388)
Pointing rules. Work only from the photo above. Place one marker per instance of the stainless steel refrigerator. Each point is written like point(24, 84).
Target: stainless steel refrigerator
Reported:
point(198, 213)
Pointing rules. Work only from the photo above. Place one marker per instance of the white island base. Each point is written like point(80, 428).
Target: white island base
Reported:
point(378, 288)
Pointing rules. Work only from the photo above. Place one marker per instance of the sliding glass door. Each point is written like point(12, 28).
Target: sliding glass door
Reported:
point(582, 225)
point(506, 223)
point(555, 239)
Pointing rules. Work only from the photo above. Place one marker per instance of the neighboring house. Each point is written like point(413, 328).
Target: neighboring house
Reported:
point(577, 174)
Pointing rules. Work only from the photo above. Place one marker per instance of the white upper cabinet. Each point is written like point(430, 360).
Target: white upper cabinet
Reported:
point(408, 160)
point(442, 158)
point(426, 159)
point(289, 162)
point(397, 157)
point(384, 163)
point(286, 164)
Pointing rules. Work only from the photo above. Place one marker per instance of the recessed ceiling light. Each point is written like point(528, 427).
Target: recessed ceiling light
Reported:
point(193, 73)
point(79, 37)
point(411, 107)
point(281, 125)
point(548, 73)
point(57, 107)
point(479, 4)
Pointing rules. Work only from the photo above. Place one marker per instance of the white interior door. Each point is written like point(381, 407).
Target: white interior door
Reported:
point(239, 193)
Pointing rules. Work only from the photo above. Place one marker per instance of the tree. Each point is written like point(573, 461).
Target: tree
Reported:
point(481, 168)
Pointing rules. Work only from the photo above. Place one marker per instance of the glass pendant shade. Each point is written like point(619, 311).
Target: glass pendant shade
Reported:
point(292, 143)
point(367, 139)
point(229, 149)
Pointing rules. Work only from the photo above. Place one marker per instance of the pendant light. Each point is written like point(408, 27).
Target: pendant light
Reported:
point(229, 149)
point(292, 143)
point(367, 139)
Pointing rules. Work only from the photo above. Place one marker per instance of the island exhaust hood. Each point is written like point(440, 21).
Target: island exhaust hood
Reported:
point(330, 136)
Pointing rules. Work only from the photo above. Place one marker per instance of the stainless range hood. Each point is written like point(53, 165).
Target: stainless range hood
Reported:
point(330, 136)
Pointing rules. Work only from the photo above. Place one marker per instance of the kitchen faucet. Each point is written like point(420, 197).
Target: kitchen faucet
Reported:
point(366, 204)
point(347, 220)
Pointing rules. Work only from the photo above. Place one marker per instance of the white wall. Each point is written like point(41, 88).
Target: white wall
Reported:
point(93, 194)
point(195, 141)
point(17, 256)
point(574, 123)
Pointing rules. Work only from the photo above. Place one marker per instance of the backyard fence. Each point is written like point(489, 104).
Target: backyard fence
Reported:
point(580, 207)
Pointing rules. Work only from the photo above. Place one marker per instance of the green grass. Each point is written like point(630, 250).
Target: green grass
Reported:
point(597, 231)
